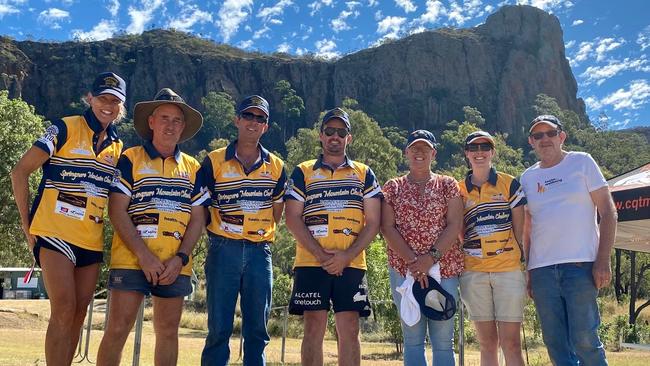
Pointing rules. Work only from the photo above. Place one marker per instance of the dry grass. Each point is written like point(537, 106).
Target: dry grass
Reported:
point(23, 324)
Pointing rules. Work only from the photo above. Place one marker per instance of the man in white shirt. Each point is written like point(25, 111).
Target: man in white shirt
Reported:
point(567, 251)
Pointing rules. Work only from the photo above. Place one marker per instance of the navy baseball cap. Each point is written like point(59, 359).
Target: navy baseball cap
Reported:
point(477, 135)
point(421, 135)
point(435, 302)
point(109, 83)
point(253, 101)
point(336, 113)
point(549, 119)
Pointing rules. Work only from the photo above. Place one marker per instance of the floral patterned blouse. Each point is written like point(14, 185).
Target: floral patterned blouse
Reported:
point(420, 219)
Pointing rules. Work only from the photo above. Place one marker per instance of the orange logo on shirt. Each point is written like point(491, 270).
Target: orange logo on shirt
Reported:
point(540, 188)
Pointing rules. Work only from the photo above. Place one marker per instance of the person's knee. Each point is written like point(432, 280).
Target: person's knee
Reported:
point(510, 345)
point(64, 314)
point(489, 343)
point(586, 340)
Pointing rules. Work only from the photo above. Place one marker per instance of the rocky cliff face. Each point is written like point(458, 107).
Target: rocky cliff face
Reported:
point(421, 81)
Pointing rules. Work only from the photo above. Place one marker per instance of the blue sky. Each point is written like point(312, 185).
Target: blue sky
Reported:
point(607, 41)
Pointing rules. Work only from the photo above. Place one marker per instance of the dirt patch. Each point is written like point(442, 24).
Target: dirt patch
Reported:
point(20, 319)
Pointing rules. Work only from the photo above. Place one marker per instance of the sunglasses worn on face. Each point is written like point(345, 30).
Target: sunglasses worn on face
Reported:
point(540, 135)
point(252, 116)
point(478, 147)
point(330, 131)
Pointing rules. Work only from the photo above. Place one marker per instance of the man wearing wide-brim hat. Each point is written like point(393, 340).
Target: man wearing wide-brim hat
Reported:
point(157, 208)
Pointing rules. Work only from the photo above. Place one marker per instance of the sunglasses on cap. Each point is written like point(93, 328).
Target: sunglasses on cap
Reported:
point(252, 116)
point(549, 134)
point(479, 147)
point(330, 131)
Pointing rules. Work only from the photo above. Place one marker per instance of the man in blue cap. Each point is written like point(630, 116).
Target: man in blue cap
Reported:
point(247, 185)
point(333, 211)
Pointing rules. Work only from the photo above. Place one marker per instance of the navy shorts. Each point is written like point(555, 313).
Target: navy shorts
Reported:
point(315, 289)
point(135, 280)
point(80, 257)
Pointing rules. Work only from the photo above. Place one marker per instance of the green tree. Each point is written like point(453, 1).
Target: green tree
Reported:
point(218, 117)
point(19, 127)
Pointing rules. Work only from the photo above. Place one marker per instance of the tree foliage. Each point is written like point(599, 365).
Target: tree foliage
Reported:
point(19, 127)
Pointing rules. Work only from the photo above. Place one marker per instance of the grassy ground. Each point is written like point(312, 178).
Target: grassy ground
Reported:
point(23, 324)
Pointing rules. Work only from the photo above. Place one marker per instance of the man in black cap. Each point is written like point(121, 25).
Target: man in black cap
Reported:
point(333, 211)
point(247, 185)
point(157, 208)
point(567, 249)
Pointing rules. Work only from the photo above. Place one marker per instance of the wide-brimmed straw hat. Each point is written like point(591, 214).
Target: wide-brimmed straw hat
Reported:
point(193, 119)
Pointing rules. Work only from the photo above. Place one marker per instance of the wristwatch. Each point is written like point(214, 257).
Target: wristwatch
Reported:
point(435, 254)
point(185, 259)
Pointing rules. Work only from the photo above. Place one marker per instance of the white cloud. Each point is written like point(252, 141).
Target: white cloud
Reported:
point(643, 39)
point(636, 96)
point(105, 29)
point(141, 17)
point(190, 16)
point(577, 22)
point(275, 21)
point(547, 5)
point(7, 9)
point(600, 74)
point(378, 15)
point(570, 44)
point(261, 32)
point(326, 48)
point(245, 44)
point(276, 10)
point(469, 10)
point(390, 26)
point(52, 17)
point(339, 23)
point(113, 7)
point(231, 14)
point(598, 49)
point(284, 47)
point(407, 5)
point(435, 9)
point(372, 3)
point(317, 5)
point(352, 4)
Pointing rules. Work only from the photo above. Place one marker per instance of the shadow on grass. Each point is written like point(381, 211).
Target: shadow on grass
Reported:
point(383, 356)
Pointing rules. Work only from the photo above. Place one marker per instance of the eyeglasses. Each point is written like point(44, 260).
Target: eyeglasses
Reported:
point(478, 147)
point(549, 134)
point(252, 116)
point(330, 131)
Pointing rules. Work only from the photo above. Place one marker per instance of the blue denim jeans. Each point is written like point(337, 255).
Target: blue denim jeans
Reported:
point(565, 298)
point(441, 333)
point(235, 267)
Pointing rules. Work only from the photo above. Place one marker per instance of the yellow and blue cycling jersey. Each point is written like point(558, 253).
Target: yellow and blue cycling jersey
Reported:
point(162, 191)
point(489, 241)
point(242, 200)
point(76, 179)
point(333, 200)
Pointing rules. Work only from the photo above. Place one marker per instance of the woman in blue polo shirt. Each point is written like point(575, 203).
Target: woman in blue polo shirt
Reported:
point(64, 226)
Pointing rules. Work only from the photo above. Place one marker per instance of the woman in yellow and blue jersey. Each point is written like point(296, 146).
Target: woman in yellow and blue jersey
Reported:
point(64, 227)
point(492, 286)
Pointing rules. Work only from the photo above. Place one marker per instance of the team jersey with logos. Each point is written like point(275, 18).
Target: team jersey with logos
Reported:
point(162, 192)
point(76, 179)
point(489, 241)
point(242, 200)
point(333, 200)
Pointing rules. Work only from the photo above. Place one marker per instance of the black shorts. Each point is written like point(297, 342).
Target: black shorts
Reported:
point(80, 257)
point(315, 289)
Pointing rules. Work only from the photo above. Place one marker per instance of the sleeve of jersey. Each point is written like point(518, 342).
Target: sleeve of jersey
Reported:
point(371, 188)
point(296, 186)
point(593, 176)
point(200, 192)
point(123, 179)
point(279, 190)
point(53, 138)
point(517, 196)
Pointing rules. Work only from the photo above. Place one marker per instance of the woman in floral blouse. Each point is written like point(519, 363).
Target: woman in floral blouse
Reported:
point(422, 216)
